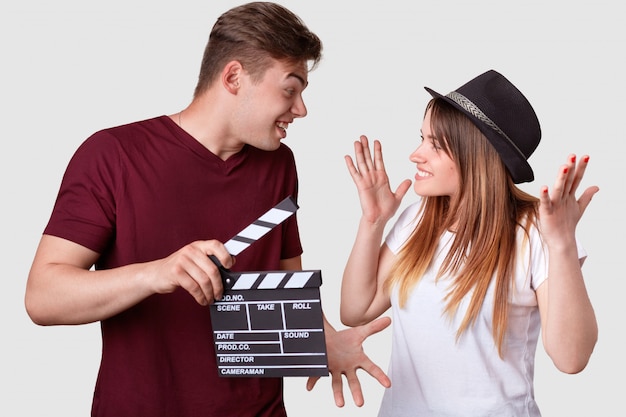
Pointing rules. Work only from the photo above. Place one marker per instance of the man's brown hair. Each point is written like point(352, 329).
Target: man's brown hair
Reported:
point(254, 34)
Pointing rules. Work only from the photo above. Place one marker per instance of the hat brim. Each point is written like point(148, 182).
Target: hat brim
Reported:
point(517, 165)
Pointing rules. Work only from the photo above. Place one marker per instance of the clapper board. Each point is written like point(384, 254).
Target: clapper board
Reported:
point(268, 323)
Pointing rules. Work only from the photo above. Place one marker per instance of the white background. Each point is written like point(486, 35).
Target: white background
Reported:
point(72, 67)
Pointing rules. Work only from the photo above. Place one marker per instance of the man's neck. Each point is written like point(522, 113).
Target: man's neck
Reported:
point(205, 121)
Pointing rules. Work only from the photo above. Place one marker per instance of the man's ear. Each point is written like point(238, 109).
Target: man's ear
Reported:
point(231, 76)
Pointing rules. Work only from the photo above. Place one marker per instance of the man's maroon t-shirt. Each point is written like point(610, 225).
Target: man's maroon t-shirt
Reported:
point(140, 192)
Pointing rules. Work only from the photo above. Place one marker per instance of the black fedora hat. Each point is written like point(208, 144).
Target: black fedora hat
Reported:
point(503, 115)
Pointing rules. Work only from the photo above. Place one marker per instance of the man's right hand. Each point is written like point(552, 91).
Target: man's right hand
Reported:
point(191, 268)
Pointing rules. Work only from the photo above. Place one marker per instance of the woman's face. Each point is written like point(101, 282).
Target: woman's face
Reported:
point(437, 174)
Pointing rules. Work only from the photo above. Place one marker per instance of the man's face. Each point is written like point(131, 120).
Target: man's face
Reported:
point(267, 107)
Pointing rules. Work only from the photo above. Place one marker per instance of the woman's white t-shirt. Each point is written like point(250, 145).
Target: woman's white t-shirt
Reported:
point(432, 373)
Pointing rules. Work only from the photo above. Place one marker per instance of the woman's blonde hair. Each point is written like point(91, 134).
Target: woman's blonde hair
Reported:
point(484, 215)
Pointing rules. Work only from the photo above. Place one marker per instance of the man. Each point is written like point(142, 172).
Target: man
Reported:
point(147, 203)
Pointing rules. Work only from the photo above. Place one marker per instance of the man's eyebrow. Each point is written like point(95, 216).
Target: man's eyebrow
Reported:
point(302, 80)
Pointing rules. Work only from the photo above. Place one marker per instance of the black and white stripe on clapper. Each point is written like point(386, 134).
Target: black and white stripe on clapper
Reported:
point(272, 218)
point(268, 280)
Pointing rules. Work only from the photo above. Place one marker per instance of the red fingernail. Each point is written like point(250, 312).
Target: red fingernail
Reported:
point(565, 170)
point(573, 159)
point(586, 159)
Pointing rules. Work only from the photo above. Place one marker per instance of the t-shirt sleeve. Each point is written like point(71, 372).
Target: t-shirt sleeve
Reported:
point(84, 211)
point(292, 245)
point(402, 228)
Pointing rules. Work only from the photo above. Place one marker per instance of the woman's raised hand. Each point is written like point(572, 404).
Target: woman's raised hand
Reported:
point(378, 201)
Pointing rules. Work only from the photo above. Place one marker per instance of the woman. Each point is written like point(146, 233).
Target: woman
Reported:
point(465, 268)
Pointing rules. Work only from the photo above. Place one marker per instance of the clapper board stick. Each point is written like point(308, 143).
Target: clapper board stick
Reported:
point(272, 218)
point(268, 323)
point(257, 229)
